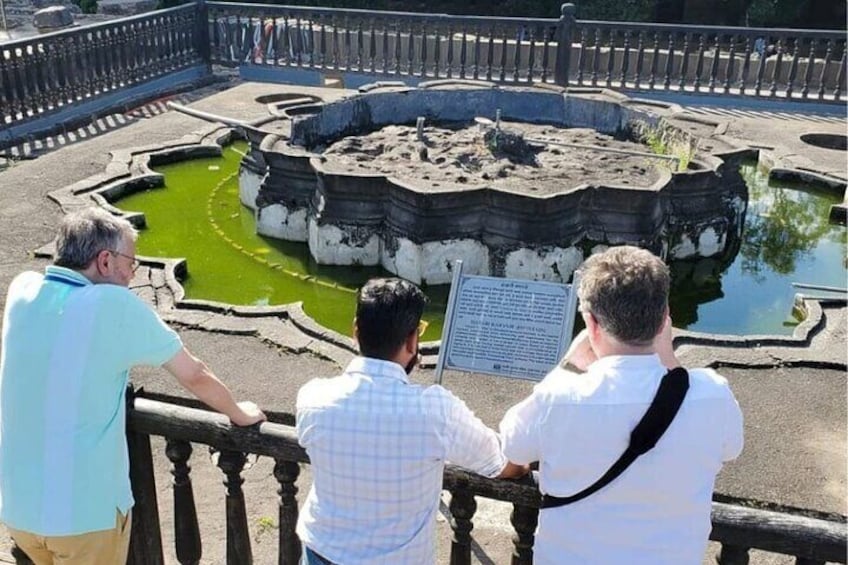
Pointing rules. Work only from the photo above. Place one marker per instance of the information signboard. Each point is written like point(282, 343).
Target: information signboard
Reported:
point(506, 327)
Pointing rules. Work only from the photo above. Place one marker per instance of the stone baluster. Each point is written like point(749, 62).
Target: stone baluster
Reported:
point(449, 62)
point(733, 555)
point(347, 45)
point(610, 57)
point(146, 535)
point(655, 58)
point(596, 56)
point(669, 61)
point(699, 65)
point(360, 48)
point(490, 59)
point(625, 58)
point(837, 91)
point(640, 58)
point(398, 56)
point(186, 530)
point(778, 63)
point(322, 46)
point(463, 52)
point(286, 473)
point(389, 62)
point(524, 520)
point(310, 33)
point(335, 42)
point(731, 60)
point(410, 50)
point(238, 537)
point(761, 69)
point(581, 56)
point(808, 72)
point(716, 59)
point(504, 47)
point(462, 508)
point(372, 46)
point(822, 78)
point(793, 68)
point(516, 55)
point(746, 66)
point(546, 59)
point(301, 45)
point(437, 49)
point(684, 66)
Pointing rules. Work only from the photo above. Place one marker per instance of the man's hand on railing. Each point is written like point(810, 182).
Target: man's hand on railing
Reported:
point(249, 414)
point(513, 471)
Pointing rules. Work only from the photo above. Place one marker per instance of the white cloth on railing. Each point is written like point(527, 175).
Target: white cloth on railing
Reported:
point(577, 425)
point(378, 447)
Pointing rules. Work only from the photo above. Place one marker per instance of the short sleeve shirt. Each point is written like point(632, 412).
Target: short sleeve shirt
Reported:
point(378, 446)
point(68, 346)
point(658, 510)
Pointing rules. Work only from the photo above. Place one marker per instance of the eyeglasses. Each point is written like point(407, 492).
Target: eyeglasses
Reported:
point(132, 258)
point(422, 327)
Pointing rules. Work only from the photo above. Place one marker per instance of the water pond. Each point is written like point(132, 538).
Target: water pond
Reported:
point(197, 215)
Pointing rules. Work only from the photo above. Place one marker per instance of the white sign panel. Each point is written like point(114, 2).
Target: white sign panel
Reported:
point(507, 327)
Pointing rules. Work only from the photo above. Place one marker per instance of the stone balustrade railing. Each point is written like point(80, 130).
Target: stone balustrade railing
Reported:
point(739, 529)
point(94, 68)
point(775, 63)
point(44, 75)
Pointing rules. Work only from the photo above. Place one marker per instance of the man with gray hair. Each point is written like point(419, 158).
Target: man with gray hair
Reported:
point(70, 336)
point(599, 506)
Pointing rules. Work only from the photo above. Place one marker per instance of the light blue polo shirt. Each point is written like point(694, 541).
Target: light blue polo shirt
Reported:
point(68, 346)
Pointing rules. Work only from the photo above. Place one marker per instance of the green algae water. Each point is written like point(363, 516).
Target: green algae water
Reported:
point(197, 215)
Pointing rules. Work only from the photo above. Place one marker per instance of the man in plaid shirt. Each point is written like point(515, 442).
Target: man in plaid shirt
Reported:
point(378, 444)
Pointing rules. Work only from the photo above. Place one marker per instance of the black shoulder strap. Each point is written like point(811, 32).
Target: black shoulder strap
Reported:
point(644, 436)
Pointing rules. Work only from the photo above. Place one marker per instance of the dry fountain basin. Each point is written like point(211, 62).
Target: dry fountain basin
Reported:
point(519, 182)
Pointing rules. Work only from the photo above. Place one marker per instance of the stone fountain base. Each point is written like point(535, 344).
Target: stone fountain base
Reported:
point(356, 182)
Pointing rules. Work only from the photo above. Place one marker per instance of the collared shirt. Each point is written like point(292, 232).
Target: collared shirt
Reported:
point(577, 426)
point(67, 347)
point(378, 447)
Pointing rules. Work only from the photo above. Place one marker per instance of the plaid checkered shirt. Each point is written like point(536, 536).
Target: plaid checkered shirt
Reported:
point(378, 447)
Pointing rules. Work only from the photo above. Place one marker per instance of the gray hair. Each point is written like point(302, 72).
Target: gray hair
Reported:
point(86, 233)
point(626, 290)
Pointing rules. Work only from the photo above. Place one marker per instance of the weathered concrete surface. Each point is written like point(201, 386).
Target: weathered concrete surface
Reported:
point(53, 18)
point(795, 411)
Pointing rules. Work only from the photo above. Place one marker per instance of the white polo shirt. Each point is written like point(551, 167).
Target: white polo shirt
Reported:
point(577, 425)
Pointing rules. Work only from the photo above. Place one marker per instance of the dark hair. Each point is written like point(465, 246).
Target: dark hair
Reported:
point(387, 311)
point(626, 290)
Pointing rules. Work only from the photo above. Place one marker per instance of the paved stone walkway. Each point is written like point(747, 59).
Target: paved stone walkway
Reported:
point(792, 390)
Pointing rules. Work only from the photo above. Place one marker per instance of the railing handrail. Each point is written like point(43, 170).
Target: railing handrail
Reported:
point(82, 29)
point(381, 14)
point(738, 526)
point(737, 30)
point(711, 29)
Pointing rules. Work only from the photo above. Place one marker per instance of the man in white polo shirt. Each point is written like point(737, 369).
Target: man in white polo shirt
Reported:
point(578, 421)
point(70, 336)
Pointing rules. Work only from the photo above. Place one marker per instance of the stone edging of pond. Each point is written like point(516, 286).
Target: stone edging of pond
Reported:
point(287, 326)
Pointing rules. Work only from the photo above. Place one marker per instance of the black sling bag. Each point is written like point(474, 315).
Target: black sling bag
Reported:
point(644, 436)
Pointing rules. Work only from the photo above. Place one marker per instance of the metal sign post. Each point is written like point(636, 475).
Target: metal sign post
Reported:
point(440, 364)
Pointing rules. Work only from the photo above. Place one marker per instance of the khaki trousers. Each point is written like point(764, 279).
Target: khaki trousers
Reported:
point(103, 547)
